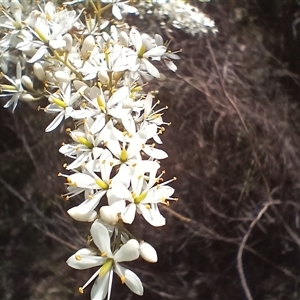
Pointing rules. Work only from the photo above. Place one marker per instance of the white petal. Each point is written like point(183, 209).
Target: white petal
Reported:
point(90, 204)
point(58, 119)
point(155, 153)
point(136, 39)
point(152, 216)
point(130, 9)
point(83, 180)
point(131, 280)
point(56, 44)
point(127, 252)
point(79, 161)
point(117, 12)
point(100, 287)
point(39, 54)
point(157, 51)
point(76, 214)
point(170, 65)
point(85, 259)
point(150, 68)
point(129, 214)
point(101, 238)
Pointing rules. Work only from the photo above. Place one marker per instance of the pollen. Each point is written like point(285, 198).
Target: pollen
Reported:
point(80, 290)
point(78, 257)
point(104, 254)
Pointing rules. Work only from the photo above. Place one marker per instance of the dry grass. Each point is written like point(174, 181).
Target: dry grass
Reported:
point(234, 146)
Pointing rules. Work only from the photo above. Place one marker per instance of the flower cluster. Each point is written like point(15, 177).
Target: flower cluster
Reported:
point(178, 14)
point(93, 71)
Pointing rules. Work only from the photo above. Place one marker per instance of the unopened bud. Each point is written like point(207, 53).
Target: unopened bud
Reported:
point(147, 252)
point(39, 71)
point(109, 215)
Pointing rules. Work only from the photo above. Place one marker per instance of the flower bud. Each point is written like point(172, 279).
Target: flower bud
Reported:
point(87, 46)
point(103, 77)
point(39, 71)
point(147, 252)
point(69, 41)
point(134, 243)
point(27, 82)
point(108, 215)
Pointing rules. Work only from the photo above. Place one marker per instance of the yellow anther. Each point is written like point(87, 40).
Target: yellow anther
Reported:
point(78, 257)
point(123, 279)
point(67, 198)
point(65, 165)
point(148, 206)
point(59, 174)
point(68, 130)
point(80, 290)
point(104, 254)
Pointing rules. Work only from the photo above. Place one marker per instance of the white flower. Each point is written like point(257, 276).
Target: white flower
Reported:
point(110, 262)
point(121, 7)
point(87, 140)
point(96, 186)
point(15, 89)
point(144, 196)
point(64, 103)
point(145, 49)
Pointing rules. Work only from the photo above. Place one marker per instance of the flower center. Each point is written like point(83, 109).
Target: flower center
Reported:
point(106, 267)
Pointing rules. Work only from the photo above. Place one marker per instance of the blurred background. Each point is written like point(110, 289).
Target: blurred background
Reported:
point(234, 142)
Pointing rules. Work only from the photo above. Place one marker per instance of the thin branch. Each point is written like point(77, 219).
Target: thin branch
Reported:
point(243, 244)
